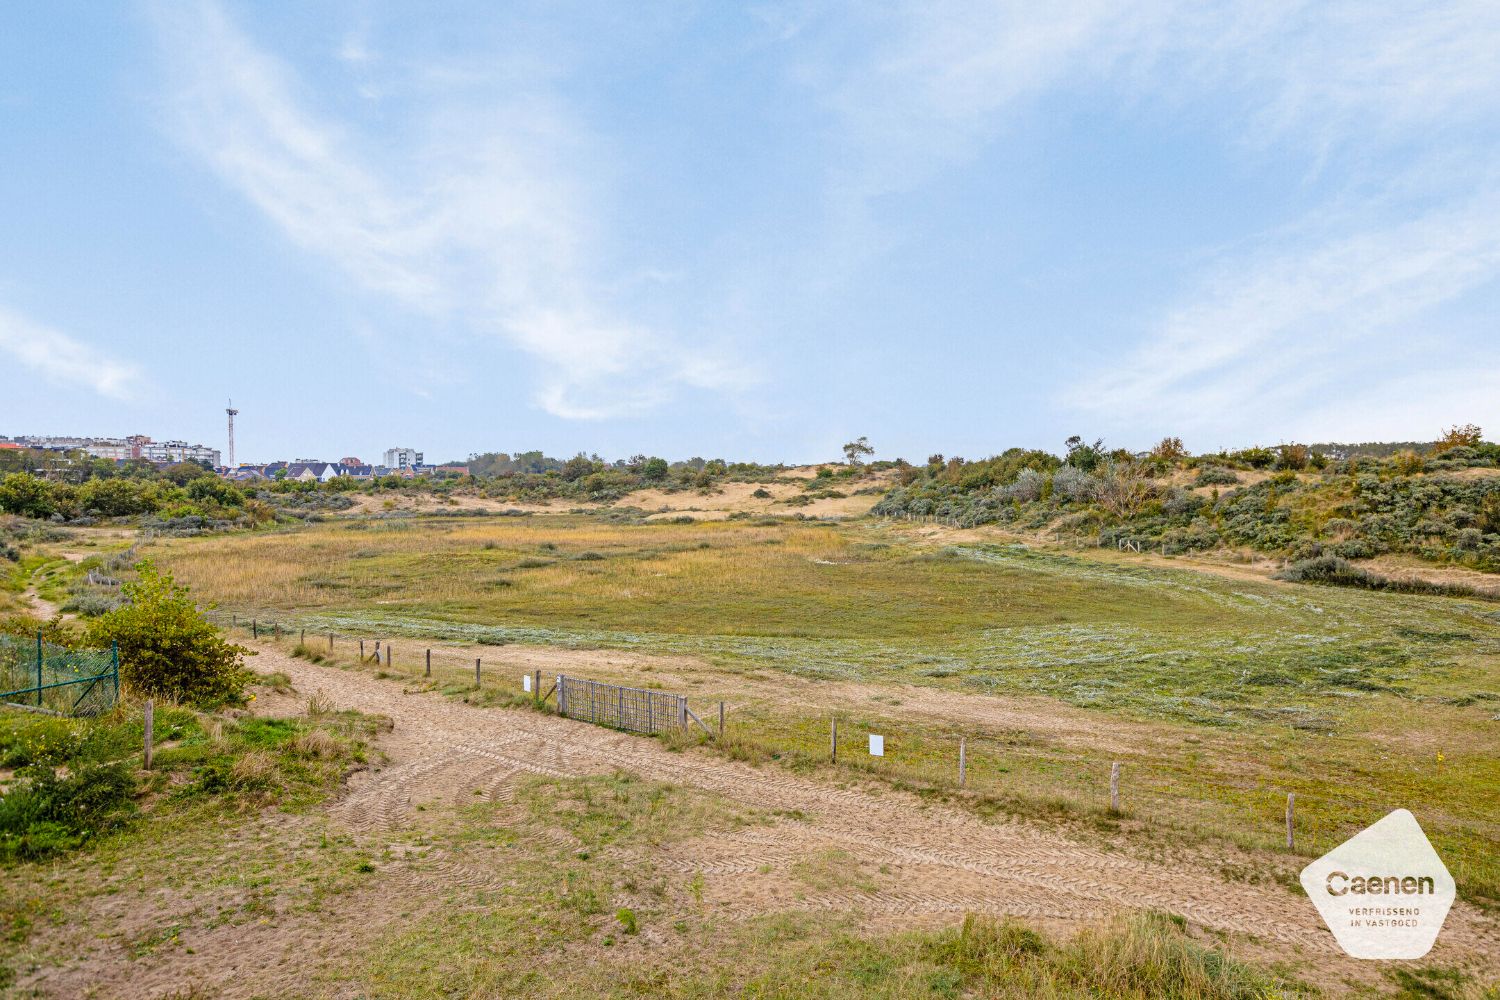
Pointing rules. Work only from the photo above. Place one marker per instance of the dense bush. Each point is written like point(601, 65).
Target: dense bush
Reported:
point(167, 648)
point(1334, 571)
point(1216, 475)
point(1354, 508)
point(47, 812)
point(206, 496)
point(75, 780)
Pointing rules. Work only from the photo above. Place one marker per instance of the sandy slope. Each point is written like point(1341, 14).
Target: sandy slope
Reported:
point(711, 506)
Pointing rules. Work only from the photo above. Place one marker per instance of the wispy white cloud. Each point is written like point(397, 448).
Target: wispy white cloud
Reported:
point(1393, 105)
point(62, 359)
point(1274, 331)
point(944, 74)
point(476, 216)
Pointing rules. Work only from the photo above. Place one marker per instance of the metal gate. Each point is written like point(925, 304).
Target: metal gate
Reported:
point(634, 710)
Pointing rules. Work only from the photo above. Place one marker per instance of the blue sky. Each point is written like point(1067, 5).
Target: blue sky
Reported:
point(750, 231)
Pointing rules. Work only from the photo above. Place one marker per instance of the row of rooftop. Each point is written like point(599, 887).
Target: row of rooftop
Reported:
point(405, 462)
point(310, 471)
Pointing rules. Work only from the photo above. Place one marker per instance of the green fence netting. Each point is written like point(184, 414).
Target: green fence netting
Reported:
point(41, 675)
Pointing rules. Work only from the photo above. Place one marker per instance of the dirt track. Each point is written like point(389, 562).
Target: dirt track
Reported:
point(936, 860)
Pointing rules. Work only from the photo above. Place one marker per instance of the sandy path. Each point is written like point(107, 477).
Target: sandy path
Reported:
point(934, 860)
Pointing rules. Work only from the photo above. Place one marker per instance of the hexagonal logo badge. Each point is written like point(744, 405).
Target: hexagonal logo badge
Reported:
point(1384, 893)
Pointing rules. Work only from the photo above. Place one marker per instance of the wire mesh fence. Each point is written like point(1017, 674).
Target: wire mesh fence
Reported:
point(43, 676)
point(634, 710)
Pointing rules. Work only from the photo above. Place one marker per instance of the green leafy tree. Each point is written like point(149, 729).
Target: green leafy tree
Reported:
point(25, 494)
point(167, 648)
point(115, 497)
point(655, 469)
point(577, 467)
point(1084, 456)
point(856, 450)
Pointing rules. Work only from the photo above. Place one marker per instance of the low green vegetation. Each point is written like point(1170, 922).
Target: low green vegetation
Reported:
point(74, 781)
point(1442, 505)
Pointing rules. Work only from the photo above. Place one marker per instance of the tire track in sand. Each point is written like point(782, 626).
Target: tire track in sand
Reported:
point(940, 859)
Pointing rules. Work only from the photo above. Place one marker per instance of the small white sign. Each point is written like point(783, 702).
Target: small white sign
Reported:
point(1384, 893)
point(877, 745)
point(526, 683)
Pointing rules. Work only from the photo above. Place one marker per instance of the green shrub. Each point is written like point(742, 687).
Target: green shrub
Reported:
point(167, 648)
point(1216, 475)
point(1339, 572)
point(44, 814)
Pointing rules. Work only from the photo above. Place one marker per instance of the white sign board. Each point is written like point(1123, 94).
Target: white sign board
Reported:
point(526, 683)
point(877, 745)
point(1384, 893)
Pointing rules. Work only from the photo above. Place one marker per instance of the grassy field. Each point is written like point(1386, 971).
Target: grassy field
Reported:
point(1218, 693)
point(1359, 702)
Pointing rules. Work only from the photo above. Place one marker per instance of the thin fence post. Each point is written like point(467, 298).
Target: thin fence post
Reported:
point(477, 682)
point(302, 639)
point(330, 642)
point(429, 663)
point(388, 656)
point(39, 668)
point(1114, 787)
point(277, 627)
point(361, 651)
point(254, 629)
point(536, 687)
point(721, 720)
point(150, 727)
point(833, 739)
point(562, 695)
point(962, 761)
point(1291, 809)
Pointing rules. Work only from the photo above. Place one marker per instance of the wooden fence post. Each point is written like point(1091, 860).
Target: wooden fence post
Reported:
point(536, 686)
point(361, 651)
point(833, 739)
point(1291, 808)
point(330, 642)
point(477, 682)
point(150, 727)
point(429, 663)
point(1114, 787)
point(254, 629)
point(276, 630)
point(962, 761)
point(721, 720)
point(303, 640)
point(387, 656)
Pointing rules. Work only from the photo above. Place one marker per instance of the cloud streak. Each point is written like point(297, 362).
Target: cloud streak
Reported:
point(1393, 108)
point(63, 360)
point(470, 217)
point(1270, 331)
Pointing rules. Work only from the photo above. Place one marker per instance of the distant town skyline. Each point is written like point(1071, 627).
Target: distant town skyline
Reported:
point(754, 230)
